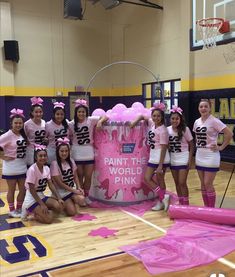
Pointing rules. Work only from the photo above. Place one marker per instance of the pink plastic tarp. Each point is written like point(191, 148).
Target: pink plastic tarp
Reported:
point(214, 215)
point(186, 245)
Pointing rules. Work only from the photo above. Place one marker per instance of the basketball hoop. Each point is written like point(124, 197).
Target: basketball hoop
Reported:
point(210, 28)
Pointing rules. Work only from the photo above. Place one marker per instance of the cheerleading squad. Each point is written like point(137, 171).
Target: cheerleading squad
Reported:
point(36, 144)
point(173, 146)
point(28, 149)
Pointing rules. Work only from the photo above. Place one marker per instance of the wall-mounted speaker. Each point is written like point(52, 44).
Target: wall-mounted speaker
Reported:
point(73, 9)
point(11, 50)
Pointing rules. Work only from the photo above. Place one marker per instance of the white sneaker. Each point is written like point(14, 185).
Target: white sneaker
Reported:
point(166, 202)
point(158, 207)
point(18, 211)
point(24, 214)
point(87, 200)
point(14, 214)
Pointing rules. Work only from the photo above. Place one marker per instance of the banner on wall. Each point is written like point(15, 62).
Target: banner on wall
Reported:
point(223, 107)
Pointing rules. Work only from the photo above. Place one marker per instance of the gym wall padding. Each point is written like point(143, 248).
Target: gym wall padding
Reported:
point(9, 102)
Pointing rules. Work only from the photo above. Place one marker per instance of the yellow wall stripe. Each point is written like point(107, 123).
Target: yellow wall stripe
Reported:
point(52, 92)
point(32, 91)
point(205, 83)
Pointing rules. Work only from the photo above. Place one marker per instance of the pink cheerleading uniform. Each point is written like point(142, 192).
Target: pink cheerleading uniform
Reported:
point(39, 179)
point(156, 137)
point(206, 135)
point(179, 152)
point(14, 146)
point(82, 149)
point(67, 175)
point(53, 132)
point(35, 134)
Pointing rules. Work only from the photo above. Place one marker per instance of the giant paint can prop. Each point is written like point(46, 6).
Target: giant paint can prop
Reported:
point(213, 215)
point(121, 156)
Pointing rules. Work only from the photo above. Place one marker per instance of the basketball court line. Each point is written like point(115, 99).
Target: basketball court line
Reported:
point(221, 260)
point(145, 221)
point(45, 272)
point(226, 262)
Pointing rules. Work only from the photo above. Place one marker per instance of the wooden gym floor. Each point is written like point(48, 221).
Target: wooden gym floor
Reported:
point(65, 249)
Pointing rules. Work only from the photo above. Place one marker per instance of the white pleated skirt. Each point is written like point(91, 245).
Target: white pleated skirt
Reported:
point(207, 160)
point(82, 152)
point(155, 154)
point(179, 160)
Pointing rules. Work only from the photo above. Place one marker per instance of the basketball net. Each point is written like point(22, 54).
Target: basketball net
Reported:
point(209, 30)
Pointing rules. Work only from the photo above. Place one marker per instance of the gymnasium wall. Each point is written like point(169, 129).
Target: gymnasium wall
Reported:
point(147, 36)
point(57, 54)
point(160, 40)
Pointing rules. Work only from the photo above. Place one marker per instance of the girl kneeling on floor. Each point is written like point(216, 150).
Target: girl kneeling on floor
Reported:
point(65, 178)
point(38, 177)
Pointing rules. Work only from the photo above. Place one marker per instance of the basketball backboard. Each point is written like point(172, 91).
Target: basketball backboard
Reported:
point(212, 8)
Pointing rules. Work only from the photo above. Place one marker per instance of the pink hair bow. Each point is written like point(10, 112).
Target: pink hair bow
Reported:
point(63, 141)
point(17, 112)
point(176, 109)
point(36, 101)
point(80, 102)
point(59, 105)
point(39, 147)
point(159, 106)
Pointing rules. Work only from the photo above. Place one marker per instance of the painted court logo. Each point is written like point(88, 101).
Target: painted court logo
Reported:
point(217, 275)
point(30, 247)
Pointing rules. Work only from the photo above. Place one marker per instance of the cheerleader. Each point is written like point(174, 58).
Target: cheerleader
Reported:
point(38, 177)
point(13, 144)
point(56, 128)
point(34, 128)
point(159, 158)
point(82, 151)
point(181, 150)
point(207, 129)
point(65, 178)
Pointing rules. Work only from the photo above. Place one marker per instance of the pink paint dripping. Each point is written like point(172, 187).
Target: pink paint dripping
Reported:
point(121, 157)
